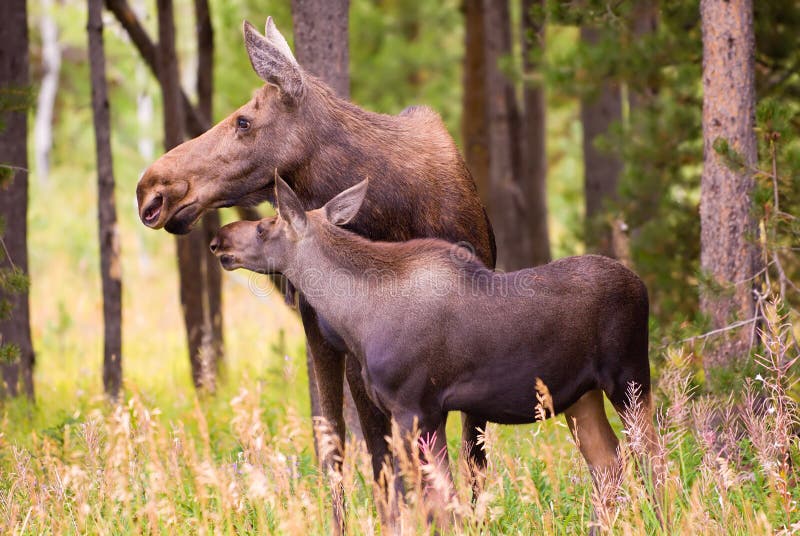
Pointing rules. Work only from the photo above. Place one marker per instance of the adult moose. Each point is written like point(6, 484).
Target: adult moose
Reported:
point(435, 331)
point(321, 144)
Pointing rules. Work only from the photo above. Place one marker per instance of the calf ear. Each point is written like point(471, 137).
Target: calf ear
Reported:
point(289, 206)
point(273, 61)
point(343, 208)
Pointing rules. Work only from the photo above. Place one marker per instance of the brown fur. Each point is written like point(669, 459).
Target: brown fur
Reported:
point(322, 145)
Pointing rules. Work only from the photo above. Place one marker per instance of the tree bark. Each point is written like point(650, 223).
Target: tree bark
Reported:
point(506, 197)
point(321, 47)
point(601, 171)
point(14, 76)
point(110, 267)
point(534, 157)
point(189, 247)
point(212, 273)
point(321, 41)
point(474, 126)
point(729, 254)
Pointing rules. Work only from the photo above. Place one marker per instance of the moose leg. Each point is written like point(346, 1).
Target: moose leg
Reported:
point(472, 452)
point(376, 426)
point(637, 416)
point(598, 444)
point(436, 478)
point(589, 426)
point(328, 370)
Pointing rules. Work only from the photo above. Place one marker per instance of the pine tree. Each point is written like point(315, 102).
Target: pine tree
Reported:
point(729, 254)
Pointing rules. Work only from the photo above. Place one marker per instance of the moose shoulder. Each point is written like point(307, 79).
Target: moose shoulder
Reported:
point(436, 331)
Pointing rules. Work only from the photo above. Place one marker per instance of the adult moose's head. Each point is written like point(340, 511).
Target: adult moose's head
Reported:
point(235, 161)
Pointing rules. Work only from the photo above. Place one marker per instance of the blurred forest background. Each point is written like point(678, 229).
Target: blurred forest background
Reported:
point(594, 108)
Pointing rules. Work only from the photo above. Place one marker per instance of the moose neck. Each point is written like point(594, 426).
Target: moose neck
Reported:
point(347, 144)
point(334, 272)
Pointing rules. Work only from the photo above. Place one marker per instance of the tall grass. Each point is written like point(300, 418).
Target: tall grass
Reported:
point(238, 464)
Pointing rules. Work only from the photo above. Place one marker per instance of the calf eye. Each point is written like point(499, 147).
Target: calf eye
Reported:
point(242, 123)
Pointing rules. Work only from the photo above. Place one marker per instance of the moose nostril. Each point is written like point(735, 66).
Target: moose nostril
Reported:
point(214, 245)
point(152, 211)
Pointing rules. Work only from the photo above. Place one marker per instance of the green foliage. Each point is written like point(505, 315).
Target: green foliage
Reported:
point(730, 156)
point(405, 52)
point(9, 352)
point(777, 195)
point(659, 139)
point(12, 99)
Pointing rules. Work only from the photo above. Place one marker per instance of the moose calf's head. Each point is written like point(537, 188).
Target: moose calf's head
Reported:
point(271, 245)
point(233, 162)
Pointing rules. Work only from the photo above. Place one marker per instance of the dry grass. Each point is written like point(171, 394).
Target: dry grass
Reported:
point(728, 469)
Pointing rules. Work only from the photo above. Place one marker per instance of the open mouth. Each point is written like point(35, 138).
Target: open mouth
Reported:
point(153, 211)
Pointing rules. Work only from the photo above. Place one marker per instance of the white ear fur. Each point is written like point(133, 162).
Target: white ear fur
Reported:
point(344, 207)
point(276, 37)
point(271, 63)
point(289, 206)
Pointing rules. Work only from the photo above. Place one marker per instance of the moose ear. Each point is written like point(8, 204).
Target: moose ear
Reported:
point(273, 61)
point(343, 208)
point(276, 38)
point(289, 206)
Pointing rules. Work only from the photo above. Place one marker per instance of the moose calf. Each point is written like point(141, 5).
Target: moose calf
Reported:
point(435, 331)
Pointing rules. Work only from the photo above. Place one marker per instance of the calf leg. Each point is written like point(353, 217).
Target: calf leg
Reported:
point(473, 453)
point(637, 416)
point(437, 480)
point(589, 426)
point(598, 444)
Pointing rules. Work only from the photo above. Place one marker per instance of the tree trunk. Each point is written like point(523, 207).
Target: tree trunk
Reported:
point(729, 254)
point(14, 197)
point(534, 157)
point(190, 247)
point(45, 102)
point(506, 198)
point(474, 126)
point(110, 268)
point(321, 47)
point(212, 273)
point(321, 41)
point(601, 171)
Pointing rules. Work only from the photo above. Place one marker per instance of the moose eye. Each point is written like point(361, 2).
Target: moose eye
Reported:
point(242, 123)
